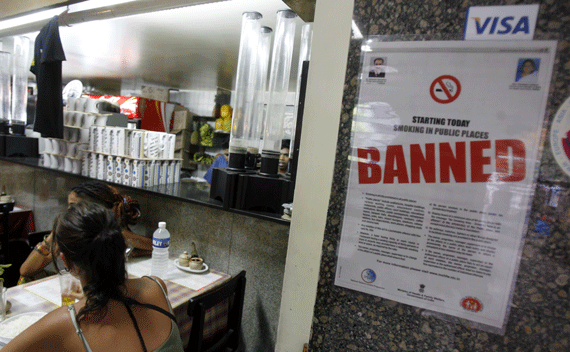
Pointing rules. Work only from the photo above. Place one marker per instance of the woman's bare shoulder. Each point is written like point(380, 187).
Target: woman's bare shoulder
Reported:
point(145, 288)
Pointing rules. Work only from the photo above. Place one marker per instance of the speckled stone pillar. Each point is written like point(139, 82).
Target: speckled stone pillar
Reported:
point(347, 320)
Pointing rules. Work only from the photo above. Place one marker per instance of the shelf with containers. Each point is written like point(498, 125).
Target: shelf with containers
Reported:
point(203, 140)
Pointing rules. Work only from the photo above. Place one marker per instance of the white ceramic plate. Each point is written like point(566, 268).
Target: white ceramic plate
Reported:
point(7, 329)
point(186, 268)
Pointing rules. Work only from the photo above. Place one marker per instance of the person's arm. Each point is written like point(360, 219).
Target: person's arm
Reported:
point(141, 245)
point(39, 258)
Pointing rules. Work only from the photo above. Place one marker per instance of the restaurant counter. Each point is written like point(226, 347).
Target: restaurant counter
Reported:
point(186, 190)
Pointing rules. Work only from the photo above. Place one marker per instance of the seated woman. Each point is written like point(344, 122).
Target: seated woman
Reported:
point(125, 208)
point(116, 314)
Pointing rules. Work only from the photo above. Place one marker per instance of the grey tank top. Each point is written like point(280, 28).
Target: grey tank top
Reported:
point(172, 344)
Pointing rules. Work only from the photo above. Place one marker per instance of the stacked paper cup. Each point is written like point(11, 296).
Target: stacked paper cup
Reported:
point(67, 154)
point(121, 155)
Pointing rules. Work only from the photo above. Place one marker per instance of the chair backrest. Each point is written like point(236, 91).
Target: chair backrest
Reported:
point(228, 296)
point(36, 237)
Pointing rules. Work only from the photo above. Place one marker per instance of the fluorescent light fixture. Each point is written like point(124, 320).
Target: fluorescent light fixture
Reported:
point(34, 17)
point(356, 34)
point(47, 14)
point(94, 4)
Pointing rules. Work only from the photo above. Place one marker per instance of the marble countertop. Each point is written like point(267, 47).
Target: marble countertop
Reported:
point(187, 190)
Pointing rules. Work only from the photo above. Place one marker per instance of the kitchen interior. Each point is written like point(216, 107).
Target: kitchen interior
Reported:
point(188, 49)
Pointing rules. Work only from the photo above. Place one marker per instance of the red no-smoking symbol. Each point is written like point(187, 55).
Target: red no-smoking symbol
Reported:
point(445, 89)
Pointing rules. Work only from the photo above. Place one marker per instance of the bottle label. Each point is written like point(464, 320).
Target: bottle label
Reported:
point(160, 242)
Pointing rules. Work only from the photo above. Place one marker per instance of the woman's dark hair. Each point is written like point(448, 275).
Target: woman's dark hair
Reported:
point(125, 208)
point(89, 236)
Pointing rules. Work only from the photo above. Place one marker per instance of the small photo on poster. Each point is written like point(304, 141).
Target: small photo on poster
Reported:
point(527, 70)
point(378, 65)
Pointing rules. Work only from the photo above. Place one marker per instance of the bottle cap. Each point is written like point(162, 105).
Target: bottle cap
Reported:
point(162, 224)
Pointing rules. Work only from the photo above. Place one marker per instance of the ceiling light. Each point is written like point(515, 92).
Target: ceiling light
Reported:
point(47, 14)
point(94, 4)
point(34, 17)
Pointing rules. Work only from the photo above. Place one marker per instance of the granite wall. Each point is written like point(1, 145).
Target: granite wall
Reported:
point(347, 320)
point(228, 242)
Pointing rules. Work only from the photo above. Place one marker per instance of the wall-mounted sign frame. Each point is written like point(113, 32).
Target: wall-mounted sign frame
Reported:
point(446, 143)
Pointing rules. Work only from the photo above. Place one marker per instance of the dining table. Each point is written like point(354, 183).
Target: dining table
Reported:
point(44, 295)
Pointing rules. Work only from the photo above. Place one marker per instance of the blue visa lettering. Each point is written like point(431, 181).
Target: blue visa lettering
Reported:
point(505, 23)
point(502, 26)
point(494, 25)
point(480, 29)
point(522, 26)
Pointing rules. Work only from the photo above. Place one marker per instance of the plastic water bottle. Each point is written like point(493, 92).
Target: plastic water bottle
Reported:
point(160, 244)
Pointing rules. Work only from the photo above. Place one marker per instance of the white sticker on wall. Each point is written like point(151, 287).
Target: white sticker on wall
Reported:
point(560, 136)
point(515, 22)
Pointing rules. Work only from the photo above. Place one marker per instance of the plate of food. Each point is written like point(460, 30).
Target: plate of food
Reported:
point(186, 268)
point(13, 326)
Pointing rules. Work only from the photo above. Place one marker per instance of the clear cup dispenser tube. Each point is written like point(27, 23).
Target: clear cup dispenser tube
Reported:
point(253, 132)
point(5, 74)
point(245, 89)
point(304, 55)
point(20, 67)
point(278, 88)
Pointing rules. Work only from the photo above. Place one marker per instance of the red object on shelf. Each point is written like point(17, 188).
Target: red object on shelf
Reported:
point(154, 114)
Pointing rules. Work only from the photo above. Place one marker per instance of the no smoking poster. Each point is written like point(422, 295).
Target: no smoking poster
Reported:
point(445, 149)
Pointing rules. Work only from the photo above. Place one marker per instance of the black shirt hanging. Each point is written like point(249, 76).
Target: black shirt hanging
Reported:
point(48, 55)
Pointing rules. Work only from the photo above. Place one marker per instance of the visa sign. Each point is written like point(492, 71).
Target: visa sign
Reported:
point(516, 22)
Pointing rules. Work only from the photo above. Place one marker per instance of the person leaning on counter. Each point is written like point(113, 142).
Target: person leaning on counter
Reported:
point(220, 161)
point(116, 314)
point(125, 208)
point(284, 156)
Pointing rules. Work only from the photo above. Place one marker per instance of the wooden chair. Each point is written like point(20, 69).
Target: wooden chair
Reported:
point(230, 295)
